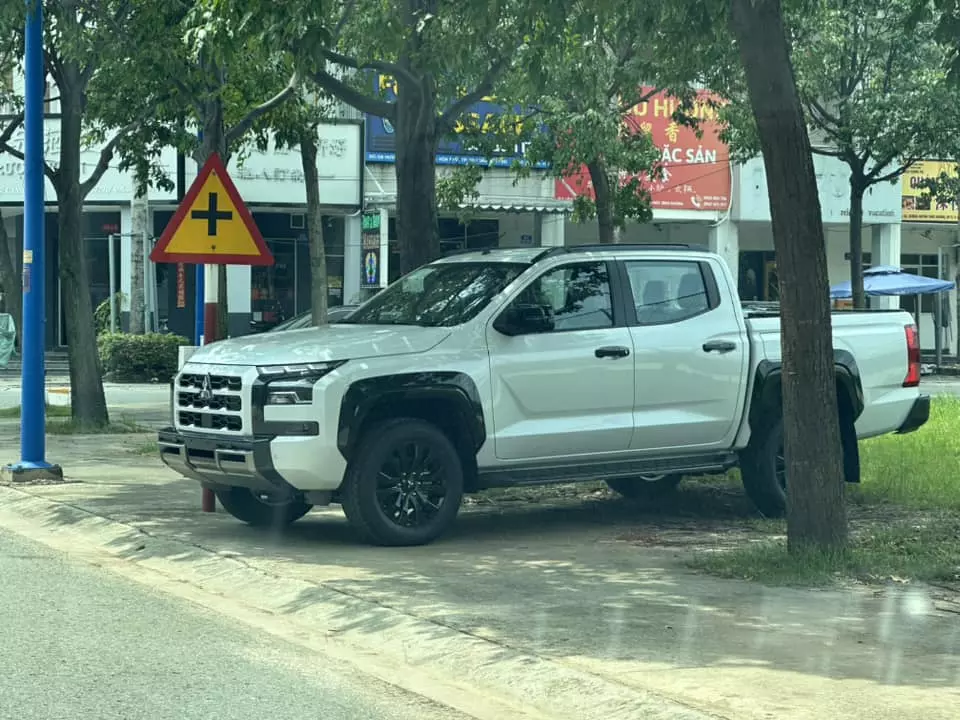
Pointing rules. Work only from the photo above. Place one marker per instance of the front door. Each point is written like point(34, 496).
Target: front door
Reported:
point(691, 356)
point(566, 387)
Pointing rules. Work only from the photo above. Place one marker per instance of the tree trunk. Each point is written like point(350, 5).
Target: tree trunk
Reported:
point(139, 215)
point(89, 406)
point(816, 516)
point(603, 194)
point(856, 242)
point(10, 280)
point(416, 129)
point(318, 256)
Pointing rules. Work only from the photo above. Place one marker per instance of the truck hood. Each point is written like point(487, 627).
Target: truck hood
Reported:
point(332, 342)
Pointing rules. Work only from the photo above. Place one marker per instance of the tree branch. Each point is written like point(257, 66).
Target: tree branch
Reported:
point(53, 66)
point(52, 174)
point(103, 164)
point(381, 66)
point(826, 152)
point(825, 117)
point(637, 99)
point(106, 153)
point(893, 174)
point(353, 98)
point(191, 97)
point(240, 129)
point(15, 122)
point(344, 18)
point(6, 147)
point(483, 88)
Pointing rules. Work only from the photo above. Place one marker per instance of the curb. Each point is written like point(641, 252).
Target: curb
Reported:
point(479, 677)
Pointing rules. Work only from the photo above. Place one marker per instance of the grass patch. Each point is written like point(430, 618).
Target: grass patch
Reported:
point(147, 447)
point(123, 426)
point(905, 524)
point(919, 470)
point(907, 551)
point(12, 413)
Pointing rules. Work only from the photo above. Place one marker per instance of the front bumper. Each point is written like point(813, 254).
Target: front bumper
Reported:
point(917, 417)
point(222, 462)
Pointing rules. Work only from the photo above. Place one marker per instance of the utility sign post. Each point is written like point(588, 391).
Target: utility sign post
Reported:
point(212, 227)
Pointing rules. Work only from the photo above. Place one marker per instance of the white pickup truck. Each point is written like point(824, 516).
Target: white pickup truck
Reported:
point(635, 365)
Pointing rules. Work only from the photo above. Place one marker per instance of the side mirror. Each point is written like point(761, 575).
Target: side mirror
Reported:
point(523, 320)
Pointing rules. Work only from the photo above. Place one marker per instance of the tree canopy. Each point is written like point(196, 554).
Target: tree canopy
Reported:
point(873, 85)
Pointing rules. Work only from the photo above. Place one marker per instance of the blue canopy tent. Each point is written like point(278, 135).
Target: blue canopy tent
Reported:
point(889, 280)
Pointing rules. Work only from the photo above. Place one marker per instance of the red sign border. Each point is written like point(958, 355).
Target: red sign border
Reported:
point(213, 165)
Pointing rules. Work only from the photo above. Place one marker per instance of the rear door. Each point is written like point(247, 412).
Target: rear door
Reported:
point(692, 354)
point(568, 390)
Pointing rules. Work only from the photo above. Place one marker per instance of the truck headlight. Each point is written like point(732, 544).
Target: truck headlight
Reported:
point(293, 384)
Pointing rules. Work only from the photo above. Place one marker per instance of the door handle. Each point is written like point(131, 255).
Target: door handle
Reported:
point(612, 351)
point(719, 346)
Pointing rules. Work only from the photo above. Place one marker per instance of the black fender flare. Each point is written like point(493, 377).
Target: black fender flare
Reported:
point(456, 391)
point(766, 398)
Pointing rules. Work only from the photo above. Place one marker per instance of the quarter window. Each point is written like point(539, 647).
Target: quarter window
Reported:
point(667, 291)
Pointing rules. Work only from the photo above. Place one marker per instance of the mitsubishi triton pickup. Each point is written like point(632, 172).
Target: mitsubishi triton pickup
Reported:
point(635, 365)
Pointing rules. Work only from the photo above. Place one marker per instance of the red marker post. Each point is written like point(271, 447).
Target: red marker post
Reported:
point(212, 227)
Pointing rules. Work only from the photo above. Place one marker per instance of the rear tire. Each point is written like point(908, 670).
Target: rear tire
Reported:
point(247, 505)
point(645, 487)
point(404, 484)
point(763, 470)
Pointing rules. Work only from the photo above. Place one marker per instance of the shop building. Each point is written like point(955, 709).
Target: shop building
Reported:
point(271, 184)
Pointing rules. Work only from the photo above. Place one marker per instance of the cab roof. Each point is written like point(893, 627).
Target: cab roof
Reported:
point(530, 256)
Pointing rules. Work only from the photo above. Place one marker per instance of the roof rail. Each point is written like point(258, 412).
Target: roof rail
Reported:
point(633, 247)
point(468, 251)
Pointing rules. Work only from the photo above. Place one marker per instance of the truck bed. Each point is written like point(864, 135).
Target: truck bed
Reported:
point(877, 341)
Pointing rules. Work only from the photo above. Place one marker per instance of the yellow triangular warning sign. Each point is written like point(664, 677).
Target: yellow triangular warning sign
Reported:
point(212, 225)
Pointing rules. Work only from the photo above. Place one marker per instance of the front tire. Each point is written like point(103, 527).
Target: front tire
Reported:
point(262, 510)
point(645, 487)
point(404, 484)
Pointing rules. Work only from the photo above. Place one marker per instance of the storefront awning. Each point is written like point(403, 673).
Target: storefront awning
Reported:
point(541, 206)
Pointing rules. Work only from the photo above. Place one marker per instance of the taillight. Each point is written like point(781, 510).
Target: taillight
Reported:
point(913, 357)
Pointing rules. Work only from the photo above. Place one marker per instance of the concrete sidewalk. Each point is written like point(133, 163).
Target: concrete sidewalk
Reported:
point(579, 607)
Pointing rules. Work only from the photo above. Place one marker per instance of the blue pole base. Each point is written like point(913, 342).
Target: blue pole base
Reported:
point(35, 473)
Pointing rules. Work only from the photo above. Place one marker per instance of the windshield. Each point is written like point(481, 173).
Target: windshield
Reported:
point(444, 294)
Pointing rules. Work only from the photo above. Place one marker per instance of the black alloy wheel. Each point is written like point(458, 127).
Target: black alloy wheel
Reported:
point(404, 483)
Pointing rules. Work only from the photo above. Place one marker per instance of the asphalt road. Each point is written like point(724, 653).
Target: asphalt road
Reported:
point(77, 643)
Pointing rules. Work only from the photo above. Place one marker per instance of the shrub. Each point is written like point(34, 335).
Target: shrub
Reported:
point(101, 316)
point(140, 358)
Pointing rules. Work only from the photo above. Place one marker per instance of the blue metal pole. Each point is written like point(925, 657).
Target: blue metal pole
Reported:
point(32, 402)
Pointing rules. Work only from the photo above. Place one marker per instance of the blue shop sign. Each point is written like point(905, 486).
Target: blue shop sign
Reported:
point(380, 141)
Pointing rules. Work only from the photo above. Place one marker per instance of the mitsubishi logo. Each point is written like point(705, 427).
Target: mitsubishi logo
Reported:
point(206, 392)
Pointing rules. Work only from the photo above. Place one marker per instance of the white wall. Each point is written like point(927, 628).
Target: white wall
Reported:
point(513, 226)
point(674, 232)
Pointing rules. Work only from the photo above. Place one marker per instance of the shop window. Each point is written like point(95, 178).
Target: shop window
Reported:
point(925, 265)
point(283, 290)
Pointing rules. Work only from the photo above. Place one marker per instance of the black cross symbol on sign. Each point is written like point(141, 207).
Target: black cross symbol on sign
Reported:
point(211, 214)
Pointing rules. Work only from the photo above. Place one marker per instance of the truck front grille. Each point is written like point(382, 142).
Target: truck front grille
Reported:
point(210, 402)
